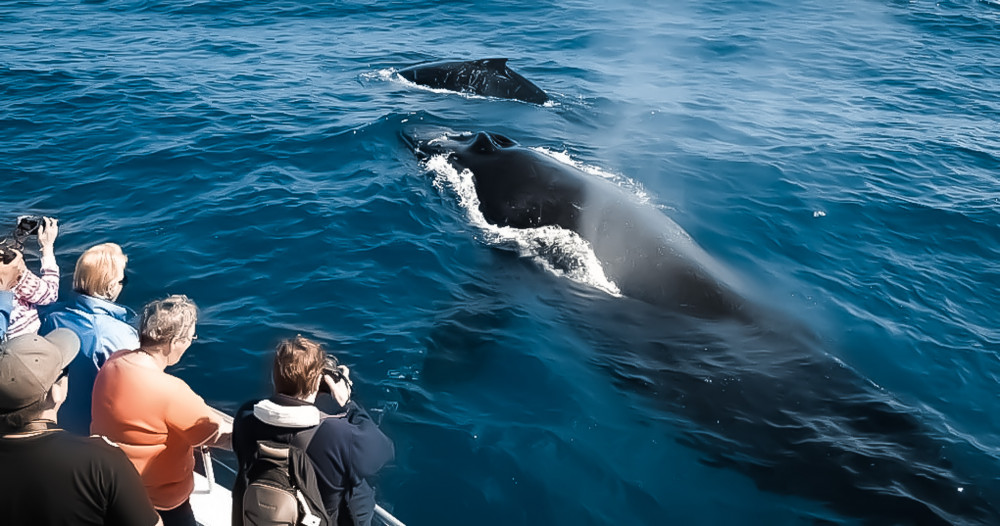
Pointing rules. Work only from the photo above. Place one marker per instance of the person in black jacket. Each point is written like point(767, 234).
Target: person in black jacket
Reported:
point(49, 476)
point(346, 447)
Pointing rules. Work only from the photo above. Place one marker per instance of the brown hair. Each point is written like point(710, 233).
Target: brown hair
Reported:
point(19, 418)
point(298, 364)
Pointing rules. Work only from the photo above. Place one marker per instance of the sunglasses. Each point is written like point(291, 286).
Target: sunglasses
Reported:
point(63, 374)
point(124, 280)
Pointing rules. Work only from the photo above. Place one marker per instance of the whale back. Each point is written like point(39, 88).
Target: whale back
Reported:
point(487, 77)
point(521, 188)
point(642, 251)
point(651, 258)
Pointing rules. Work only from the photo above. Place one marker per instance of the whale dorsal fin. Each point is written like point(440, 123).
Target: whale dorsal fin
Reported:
point(494, 63)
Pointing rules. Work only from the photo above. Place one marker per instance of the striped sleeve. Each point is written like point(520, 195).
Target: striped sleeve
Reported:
point(33, 290)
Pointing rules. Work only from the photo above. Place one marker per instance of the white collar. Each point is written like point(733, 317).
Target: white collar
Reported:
point(286, 415)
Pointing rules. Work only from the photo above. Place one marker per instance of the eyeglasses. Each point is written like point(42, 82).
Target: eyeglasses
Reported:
point(63, 374)
point(124, 280)
point(192, 338)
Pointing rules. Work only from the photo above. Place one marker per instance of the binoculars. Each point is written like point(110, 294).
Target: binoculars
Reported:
point(26, 226)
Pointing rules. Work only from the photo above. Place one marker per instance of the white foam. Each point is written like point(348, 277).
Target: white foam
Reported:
point(557, 250)
point(392, 75)
point(381, 74)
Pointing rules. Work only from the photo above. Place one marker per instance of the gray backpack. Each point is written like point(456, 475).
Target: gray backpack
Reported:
point(281, 486)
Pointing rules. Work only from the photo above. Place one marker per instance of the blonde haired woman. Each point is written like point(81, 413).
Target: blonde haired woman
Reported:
point(102, 325)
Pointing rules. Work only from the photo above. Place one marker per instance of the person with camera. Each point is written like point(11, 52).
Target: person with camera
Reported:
point(345, 448)
point(30, 291)
point(103, 326)
point(154, 416)
point(48, 476)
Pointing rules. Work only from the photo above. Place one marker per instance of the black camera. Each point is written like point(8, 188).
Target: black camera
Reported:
point(27, 226)
point(7, 253)
point(331, 368)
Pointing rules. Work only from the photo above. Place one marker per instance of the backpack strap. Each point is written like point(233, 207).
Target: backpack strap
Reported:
point(271, 450)
point(303, 474)
point(302, 439)
point(308, 519)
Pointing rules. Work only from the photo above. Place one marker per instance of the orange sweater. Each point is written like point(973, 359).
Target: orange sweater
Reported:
point(156, 419)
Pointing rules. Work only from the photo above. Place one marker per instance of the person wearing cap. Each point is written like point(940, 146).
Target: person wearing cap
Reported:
point(49, 476)
point(102, 325)
point(154, 416)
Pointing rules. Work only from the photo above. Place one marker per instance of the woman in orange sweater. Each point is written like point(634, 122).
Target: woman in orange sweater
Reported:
point(154, 416)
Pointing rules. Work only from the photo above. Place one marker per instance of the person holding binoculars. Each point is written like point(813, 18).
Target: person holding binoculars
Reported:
point(29, 291)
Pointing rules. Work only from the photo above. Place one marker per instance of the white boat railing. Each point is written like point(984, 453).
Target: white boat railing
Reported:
point(386, 517)
point(211, 502)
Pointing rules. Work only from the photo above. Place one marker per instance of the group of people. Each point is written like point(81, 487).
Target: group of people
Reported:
point(93, 430)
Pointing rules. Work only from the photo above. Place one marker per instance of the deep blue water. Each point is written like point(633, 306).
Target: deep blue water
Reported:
point(839, 157)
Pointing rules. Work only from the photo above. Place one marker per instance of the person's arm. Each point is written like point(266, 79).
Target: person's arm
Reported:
point(224, 438)
point(371, 448)
point(197, 422)
point(9, 275)
point(45, 290)
point(38, 291)
point(47, 233)
point(340, 389)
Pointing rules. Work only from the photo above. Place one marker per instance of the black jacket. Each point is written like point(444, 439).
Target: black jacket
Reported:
point(345, 450)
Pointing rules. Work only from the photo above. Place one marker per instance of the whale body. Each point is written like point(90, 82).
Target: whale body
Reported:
point(644, 252)
point(760, 395)
point(487, 77)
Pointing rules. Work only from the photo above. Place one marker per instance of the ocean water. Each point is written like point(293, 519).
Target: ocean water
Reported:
point(839, 158)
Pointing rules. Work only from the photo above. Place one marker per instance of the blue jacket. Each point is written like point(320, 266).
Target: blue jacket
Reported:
point(103, 327)
point(6, 305)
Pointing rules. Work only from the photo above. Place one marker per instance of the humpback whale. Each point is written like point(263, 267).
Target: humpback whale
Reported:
point(644, 252)
point(487, 77)
point(760, 395)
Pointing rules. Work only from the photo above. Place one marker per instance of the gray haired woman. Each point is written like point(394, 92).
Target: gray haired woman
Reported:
point(155, 417)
